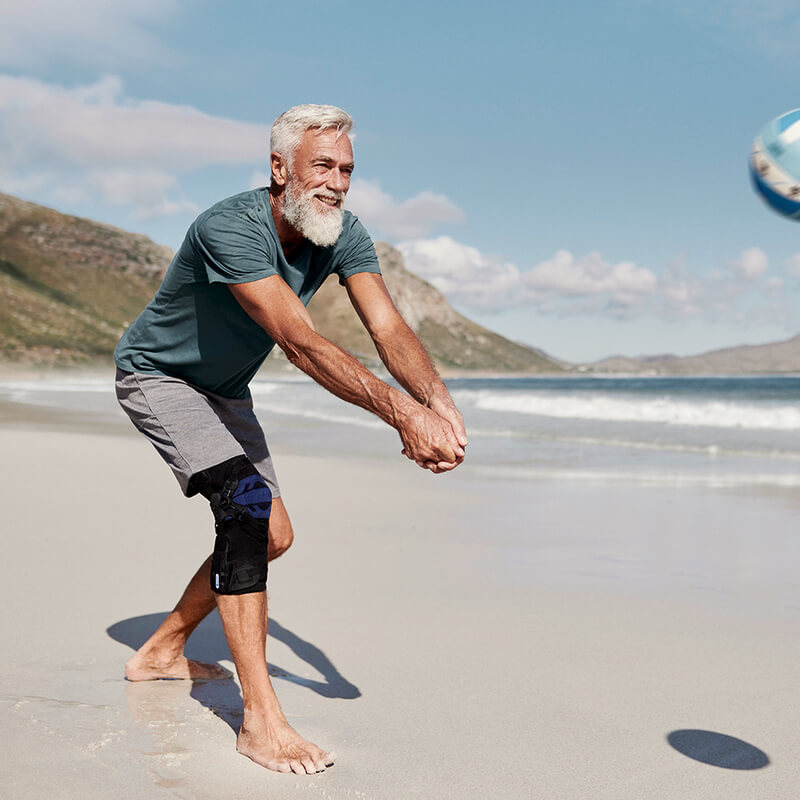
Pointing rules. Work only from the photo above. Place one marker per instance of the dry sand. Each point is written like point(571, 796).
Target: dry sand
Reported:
point(449, 637)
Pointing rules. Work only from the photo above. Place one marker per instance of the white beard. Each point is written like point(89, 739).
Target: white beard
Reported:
point(301, 211)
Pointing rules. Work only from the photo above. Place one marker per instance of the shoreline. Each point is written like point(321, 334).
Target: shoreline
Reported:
point(275, 367)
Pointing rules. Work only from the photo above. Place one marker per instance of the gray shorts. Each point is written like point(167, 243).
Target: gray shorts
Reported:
point(193, 429)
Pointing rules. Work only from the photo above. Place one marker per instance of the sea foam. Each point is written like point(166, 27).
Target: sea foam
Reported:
point(660, 410)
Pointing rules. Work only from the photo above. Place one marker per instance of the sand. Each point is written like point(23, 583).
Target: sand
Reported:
point(456, 636)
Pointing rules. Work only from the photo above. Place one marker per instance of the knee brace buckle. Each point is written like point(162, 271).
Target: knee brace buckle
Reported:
point(241, 502)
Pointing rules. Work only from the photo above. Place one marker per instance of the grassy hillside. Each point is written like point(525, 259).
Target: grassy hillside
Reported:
point(69, 285)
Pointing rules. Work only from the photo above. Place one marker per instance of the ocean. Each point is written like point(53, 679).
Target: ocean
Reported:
point(710, 431)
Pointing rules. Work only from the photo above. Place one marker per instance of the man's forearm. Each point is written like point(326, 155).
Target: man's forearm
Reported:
point(345, 376)
point(409, 363)
point(405, 357)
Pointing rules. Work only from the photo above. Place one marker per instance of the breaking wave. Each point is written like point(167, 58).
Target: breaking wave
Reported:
point(664, 410)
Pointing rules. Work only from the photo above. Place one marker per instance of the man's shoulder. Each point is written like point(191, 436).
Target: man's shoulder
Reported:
point(354, 251)
point(350, 221)
point(352, 232)
point(352, 238)
point(246, 208)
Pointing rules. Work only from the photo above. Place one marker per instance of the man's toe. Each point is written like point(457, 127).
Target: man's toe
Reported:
point(309, 765)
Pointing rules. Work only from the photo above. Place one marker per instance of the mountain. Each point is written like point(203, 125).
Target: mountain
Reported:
point(775, 357)
point(69, 287)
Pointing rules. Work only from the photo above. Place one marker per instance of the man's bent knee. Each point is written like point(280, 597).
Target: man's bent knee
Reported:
point(241, 502)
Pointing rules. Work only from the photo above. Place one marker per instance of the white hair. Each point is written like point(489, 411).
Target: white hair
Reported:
point(289, 127)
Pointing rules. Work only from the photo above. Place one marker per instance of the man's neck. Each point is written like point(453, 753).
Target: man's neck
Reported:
point(290, 238)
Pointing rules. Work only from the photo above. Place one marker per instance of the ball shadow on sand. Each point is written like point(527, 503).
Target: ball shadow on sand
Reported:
point(208, 643)
point(718, 749)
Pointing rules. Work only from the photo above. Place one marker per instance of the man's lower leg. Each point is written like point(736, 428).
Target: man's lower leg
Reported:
point(161, 656)
point(266, 737)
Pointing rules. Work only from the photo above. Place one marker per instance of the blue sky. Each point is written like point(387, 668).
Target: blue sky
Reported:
point(571, 175)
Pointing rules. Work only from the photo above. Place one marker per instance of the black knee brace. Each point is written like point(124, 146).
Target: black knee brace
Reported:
point(241, 502)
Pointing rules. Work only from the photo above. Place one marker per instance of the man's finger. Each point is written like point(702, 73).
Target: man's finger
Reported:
point(439, 466)
point(457, 424)
point(453, 440)
point(448, 412)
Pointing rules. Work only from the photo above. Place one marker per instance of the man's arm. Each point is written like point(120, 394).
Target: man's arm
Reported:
point(400, 349)
point(426, 437)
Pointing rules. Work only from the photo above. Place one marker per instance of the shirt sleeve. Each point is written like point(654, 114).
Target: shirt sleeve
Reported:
point(358, 254)
point(234, 248)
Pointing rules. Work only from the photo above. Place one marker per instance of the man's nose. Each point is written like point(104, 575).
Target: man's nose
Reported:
point(338, 181)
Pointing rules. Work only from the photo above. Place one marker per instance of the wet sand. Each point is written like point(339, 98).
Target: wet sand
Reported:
point(449, 637)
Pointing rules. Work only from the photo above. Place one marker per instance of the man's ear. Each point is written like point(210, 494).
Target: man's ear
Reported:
point(278, 169)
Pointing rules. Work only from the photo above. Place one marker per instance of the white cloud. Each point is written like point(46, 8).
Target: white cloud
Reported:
point(566, 275)
point(751, 264)
point(680, 293)
point(75, 142)
point(144, 190)
point(463, 273)
point(409, 219)
point(97, 32)
point(558, 285)
point(588, 285)
point(96, 126)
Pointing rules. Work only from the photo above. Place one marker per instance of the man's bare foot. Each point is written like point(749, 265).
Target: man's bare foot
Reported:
point(279, 747)
point(142, 667)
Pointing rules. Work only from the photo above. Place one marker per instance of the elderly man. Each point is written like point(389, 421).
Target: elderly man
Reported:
point(237, 286)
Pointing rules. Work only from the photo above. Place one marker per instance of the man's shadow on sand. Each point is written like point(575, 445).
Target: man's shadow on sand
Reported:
point(208, 643)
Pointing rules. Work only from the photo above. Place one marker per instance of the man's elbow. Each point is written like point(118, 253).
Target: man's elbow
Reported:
point(295, 337)
point(390, 331)
point(302, 347)
point(294, 352)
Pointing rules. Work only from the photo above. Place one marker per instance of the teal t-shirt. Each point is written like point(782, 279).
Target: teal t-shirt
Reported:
point(195, 329)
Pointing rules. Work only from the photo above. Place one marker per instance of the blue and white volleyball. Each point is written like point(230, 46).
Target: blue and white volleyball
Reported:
point(775, 164)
